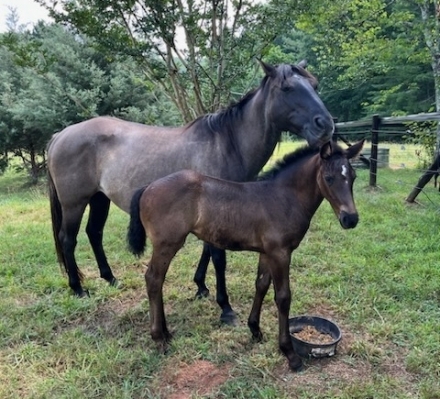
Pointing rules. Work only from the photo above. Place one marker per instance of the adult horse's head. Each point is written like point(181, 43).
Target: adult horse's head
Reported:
point(295, 105)
point(336, 180)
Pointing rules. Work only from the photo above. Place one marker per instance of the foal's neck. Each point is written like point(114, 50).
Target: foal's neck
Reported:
point(302, 184)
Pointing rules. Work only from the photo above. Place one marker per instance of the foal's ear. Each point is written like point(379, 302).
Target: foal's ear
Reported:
point(302, 64)
point(268, 69)
point(354, 150)
point(326, 150)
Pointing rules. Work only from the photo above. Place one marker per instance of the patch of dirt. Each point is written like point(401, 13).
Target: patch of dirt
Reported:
point(198, 378)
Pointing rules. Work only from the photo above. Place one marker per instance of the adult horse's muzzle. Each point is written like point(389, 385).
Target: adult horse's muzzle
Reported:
point(348, 220)
point(320, 131)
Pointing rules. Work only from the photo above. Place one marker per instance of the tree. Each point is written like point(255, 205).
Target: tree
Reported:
point(197, 51)
point(372, 54)
point(51, 78)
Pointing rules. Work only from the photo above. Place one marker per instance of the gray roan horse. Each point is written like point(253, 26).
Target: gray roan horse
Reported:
point(270, 216)
point(106, 159)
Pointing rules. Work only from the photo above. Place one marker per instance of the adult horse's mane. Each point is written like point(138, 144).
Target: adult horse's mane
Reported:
point(294, 157)
point(223, 120)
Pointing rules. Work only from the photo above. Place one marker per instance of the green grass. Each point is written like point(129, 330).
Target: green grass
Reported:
point(380, 282)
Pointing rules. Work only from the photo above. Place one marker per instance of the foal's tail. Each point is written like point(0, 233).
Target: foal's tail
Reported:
point(136, 235)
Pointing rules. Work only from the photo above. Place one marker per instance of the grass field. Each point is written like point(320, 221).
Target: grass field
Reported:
point(380, 282)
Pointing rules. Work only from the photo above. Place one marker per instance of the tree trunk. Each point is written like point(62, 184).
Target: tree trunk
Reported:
point(426, 177)
point(431, 32)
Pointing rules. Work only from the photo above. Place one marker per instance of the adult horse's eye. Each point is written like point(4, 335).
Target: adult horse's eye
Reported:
point(329, 179)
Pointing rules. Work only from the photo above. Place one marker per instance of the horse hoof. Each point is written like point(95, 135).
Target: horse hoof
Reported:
point(83, 294)
point(162, 344)
point(296, 364)
point(229, 318)
point(257, 337)
point(162, 347)
point(202, 294)
point(116, 283)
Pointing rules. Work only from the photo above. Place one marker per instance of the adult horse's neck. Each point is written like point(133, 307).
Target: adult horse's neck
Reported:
point(254, 133)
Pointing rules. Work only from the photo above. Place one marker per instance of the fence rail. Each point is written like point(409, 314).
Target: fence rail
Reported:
point(376, 128)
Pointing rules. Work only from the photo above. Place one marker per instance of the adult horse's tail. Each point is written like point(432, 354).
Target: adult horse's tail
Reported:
point(136, 235)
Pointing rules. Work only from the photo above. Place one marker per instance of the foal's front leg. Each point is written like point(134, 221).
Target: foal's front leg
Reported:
point(279, 269)
point(262, 284)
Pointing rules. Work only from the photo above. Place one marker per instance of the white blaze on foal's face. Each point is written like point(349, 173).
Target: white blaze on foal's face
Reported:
point(344, 171)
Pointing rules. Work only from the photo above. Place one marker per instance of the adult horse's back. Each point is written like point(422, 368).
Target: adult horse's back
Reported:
point(106, 159)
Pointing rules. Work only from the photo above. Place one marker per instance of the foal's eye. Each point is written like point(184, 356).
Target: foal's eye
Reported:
point(329, 179)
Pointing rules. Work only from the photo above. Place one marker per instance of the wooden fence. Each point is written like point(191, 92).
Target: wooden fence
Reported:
point(375, 127)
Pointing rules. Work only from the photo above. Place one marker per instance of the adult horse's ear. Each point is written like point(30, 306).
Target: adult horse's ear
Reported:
point(326, 150)
point(355, 149)
point(302, 64)
point(268, 69)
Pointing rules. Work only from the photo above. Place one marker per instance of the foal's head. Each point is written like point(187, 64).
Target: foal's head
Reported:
point(336, 180)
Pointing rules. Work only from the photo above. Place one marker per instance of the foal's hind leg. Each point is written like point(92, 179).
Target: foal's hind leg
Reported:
point(99, 207)
point(200, 274)
point(218, 256)
point(154, 279)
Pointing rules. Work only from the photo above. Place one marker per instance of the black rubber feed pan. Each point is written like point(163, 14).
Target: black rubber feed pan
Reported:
point(309, 349)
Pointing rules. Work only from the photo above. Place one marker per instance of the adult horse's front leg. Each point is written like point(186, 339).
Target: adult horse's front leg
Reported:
point(218, 256)
point(262, 284)
point(279, 269)
point(99, 207)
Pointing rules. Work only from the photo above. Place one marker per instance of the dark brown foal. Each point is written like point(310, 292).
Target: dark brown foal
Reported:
point(269, 216)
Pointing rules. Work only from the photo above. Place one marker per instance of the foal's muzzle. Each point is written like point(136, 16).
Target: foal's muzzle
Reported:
point(348, 220)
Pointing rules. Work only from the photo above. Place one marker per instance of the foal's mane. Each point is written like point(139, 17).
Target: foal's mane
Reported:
point(288, 160)
point(294, 157)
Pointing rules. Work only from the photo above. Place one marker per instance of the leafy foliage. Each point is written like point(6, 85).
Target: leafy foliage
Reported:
point(197, 51)
point(373, 56)
point(51, 78)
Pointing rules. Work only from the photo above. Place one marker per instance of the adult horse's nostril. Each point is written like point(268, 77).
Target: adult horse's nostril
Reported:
point(320, 122)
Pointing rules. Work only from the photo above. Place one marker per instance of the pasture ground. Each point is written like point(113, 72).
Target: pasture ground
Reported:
point(380, 282)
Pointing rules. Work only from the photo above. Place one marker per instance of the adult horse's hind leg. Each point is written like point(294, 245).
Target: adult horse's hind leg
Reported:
point(218, 256)
point(262, 284)
point(200, 274)
point(68, 233)
point(99, 208)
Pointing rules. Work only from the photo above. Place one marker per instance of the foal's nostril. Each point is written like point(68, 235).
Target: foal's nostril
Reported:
point(349, 221)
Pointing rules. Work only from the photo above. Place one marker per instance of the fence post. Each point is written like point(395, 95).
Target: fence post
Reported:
point(374, 145)
point(335, 132)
